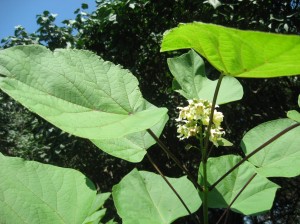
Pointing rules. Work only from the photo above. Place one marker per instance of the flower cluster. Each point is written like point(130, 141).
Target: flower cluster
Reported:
point(194, 117)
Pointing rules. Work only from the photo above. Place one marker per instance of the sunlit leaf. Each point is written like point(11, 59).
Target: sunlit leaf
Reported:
point(76, 91)
point(238, 53)
point(144, 197)
point(224, 193)
point(281, 158)
point(31, 192)
point(189, 72)
point(132, 147)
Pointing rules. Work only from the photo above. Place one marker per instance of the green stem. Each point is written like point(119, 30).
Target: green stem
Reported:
point(205, 188)
point(204, 152)
point(213, 110)
point(204, 172)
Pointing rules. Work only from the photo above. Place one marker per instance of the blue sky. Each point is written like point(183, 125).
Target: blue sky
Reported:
point(23, 12)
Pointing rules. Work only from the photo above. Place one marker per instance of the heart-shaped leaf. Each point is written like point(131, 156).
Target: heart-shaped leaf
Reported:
point(238, 53)
point(76, 91)
point(144, 197)
point(31, 192)
point(132, 147)
point(224, 193)
point(275, 159)
point(189, 72)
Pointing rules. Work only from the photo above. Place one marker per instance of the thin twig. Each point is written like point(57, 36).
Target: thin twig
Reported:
point(194, 216)
point(254, 152)
point(235, 198)
point(173, 157)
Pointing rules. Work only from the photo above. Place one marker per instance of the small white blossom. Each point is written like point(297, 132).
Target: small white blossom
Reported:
point(218, 118)
point(215, 135)
point(192, 117)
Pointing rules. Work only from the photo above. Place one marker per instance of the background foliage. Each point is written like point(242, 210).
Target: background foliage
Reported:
point(129, 33)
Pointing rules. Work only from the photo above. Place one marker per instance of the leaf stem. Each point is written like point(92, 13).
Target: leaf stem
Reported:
point(173, 157)
point(275, 137)
point(205, 190)
point(195, 217)
point(235, 198)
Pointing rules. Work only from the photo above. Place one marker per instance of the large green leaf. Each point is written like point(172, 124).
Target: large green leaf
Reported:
point(31, 192)
point(236, 52)
point(281, 158)
point(257, 197)
point(76, 91)
point(145, 198)
point(189, 71)
point(132, 147)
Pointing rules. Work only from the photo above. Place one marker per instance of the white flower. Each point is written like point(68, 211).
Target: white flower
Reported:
point(218, 118)
point(216, 135)
point(192, 117)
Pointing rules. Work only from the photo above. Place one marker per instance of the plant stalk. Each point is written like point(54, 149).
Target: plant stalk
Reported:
point(205, 188)
point(205, 151)
point(211, 116)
